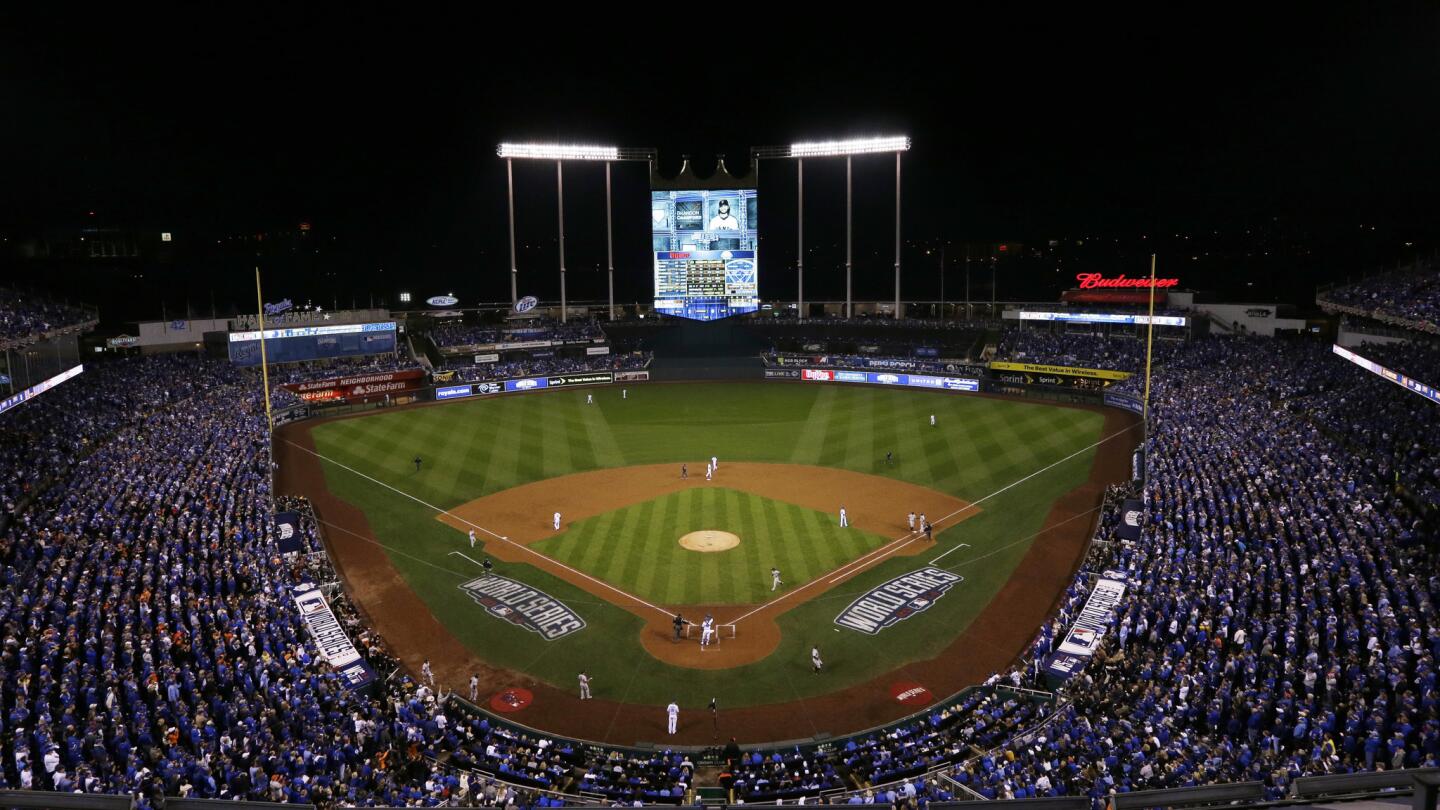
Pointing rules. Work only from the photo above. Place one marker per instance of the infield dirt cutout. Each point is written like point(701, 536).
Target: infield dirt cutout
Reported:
point(708, 541)
point(522, 515)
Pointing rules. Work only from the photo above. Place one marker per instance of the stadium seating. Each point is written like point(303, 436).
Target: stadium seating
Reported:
point(1409, 298)
point(1280, 620)
point(26, 318)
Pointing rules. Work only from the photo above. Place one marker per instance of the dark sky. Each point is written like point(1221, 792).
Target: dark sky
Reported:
point(381, 130)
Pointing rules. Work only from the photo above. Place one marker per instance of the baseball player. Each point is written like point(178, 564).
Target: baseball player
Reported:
point(673, 713)
point(923, 521)
point(707, 632)
point(679, 622)
point(474, 687)
point(472, 538)
point(844, 519)
point(557, 521)
point(417, 463)
point(932, 420)
point(624, 393)
point(487, 565)
point(584, 685)
point(774, 579)
point(589, 399)
point(889, 458)
point(910, 519)
point(929, 535)
point(709, 472)
point(426, 673)
point(815, 658)
point(684, 471)
point(715, 462)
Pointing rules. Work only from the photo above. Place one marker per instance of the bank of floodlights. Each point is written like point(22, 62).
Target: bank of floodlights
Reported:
point(854, 146)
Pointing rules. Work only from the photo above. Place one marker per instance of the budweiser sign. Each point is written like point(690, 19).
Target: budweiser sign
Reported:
point(1090, 281)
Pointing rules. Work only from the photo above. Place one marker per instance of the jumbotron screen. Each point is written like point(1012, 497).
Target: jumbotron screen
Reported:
point(705, 252)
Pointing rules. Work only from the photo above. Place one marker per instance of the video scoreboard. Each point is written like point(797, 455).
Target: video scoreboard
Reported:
point(704, 243)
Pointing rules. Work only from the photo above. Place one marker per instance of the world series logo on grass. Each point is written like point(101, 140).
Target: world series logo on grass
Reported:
point(524, 606)
point(897, 600)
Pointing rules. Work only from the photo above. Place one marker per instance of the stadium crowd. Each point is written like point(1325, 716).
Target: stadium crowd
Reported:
point(1279, 621)
point(468, 371)
point(26, 318)
point(1118, 352)
point(451, 335)
point(1408, 298)
point(341, 367)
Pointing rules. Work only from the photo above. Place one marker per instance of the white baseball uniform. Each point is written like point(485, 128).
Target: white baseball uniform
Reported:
point(557, 521)
point(774, 578)
point(911, 518)
point(715, 462)
point(474, 687)
point(932, 420)
point(426, 673)
point(844, 519)
point(815, 658)
point(624, 394)
point(589, 399)
point(673, 711)
point(584, 686)
point(472, 538)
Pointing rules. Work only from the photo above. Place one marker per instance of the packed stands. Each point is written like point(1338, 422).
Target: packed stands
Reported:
point(468, 371)
point(1408, 298)
point(27, 318)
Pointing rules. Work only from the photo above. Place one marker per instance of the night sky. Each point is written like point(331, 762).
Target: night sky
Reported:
point(381, 132)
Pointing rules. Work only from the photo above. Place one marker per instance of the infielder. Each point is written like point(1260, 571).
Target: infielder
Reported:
point(774, 579)
point(584, 685)
point(815, 658)
point(673, 712)
point(557, 521)
point(910, 518)
point(472, 538)
point(844, 519)
point(684, 471)
point(715, 462)
point(709, 472)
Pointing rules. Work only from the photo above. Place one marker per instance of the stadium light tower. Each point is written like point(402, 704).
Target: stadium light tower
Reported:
point(847, 149)
point(561, 153)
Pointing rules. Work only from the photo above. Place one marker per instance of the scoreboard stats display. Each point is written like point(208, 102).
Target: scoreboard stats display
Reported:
point(705, 252)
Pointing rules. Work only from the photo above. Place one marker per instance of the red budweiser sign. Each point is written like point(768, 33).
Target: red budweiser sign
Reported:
point(1091, 281)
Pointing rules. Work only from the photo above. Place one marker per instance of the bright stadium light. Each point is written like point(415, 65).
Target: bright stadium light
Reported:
point(857, 146)
point(555, 151)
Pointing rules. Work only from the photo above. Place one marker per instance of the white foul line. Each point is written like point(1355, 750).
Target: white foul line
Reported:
point(459, 519)
point(906, 539)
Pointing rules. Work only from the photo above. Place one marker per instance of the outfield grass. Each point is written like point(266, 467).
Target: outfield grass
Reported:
point(637, 550)
point(478, 447)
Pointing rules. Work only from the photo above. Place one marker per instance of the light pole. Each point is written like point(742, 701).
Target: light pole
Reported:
point(561, 153)
point(846, 149)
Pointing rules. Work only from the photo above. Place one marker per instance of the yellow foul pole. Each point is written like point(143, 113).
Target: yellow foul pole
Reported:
point(1149, 343)
point(264, 368)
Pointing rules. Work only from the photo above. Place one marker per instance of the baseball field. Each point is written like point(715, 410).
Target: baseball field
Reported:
point(1005, 483)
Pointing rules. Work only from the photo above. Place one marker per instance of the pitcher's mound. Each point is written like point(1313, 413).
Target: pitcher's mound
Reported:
point(709, 541)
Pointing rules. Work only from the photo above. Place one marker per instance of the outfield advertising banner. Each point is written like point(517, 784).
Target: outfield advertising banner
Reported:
point(1089, 628)
point(902, 597)
point(330, 638)
point(1064, 371)
point(632, 376)
point(582, 379)
point(359, 379)
point(1125, 401)
point(453, 392)
point(524, 606)
point(877, 378)
point(817, 374)
point(782, 373)
point(527, 384)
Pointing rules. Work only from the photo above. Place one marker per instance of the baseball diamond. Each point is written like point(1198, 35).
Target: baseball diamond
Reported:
point(1010, 486)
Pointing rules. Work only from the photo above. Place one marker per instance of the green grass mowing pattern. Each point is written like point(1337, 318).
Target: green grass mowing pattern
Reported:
point(637, 548)
point(482, 446)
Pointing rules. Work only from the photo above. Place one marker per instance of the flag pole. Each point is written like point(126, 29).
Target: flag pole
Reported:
point(264, 367)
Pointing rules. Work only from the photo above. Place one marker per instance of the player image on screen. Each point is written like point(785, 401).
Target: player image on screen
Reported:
point(705, 252)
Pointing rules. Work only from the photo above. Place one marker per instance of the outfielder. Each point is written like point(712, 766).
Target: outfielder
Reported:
point(557, 521)
point(774, 579)
point(932, 420)
point(584, 685)
point(624, 393)
point(844, 519)
point(589, 399)
point(673, 712)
